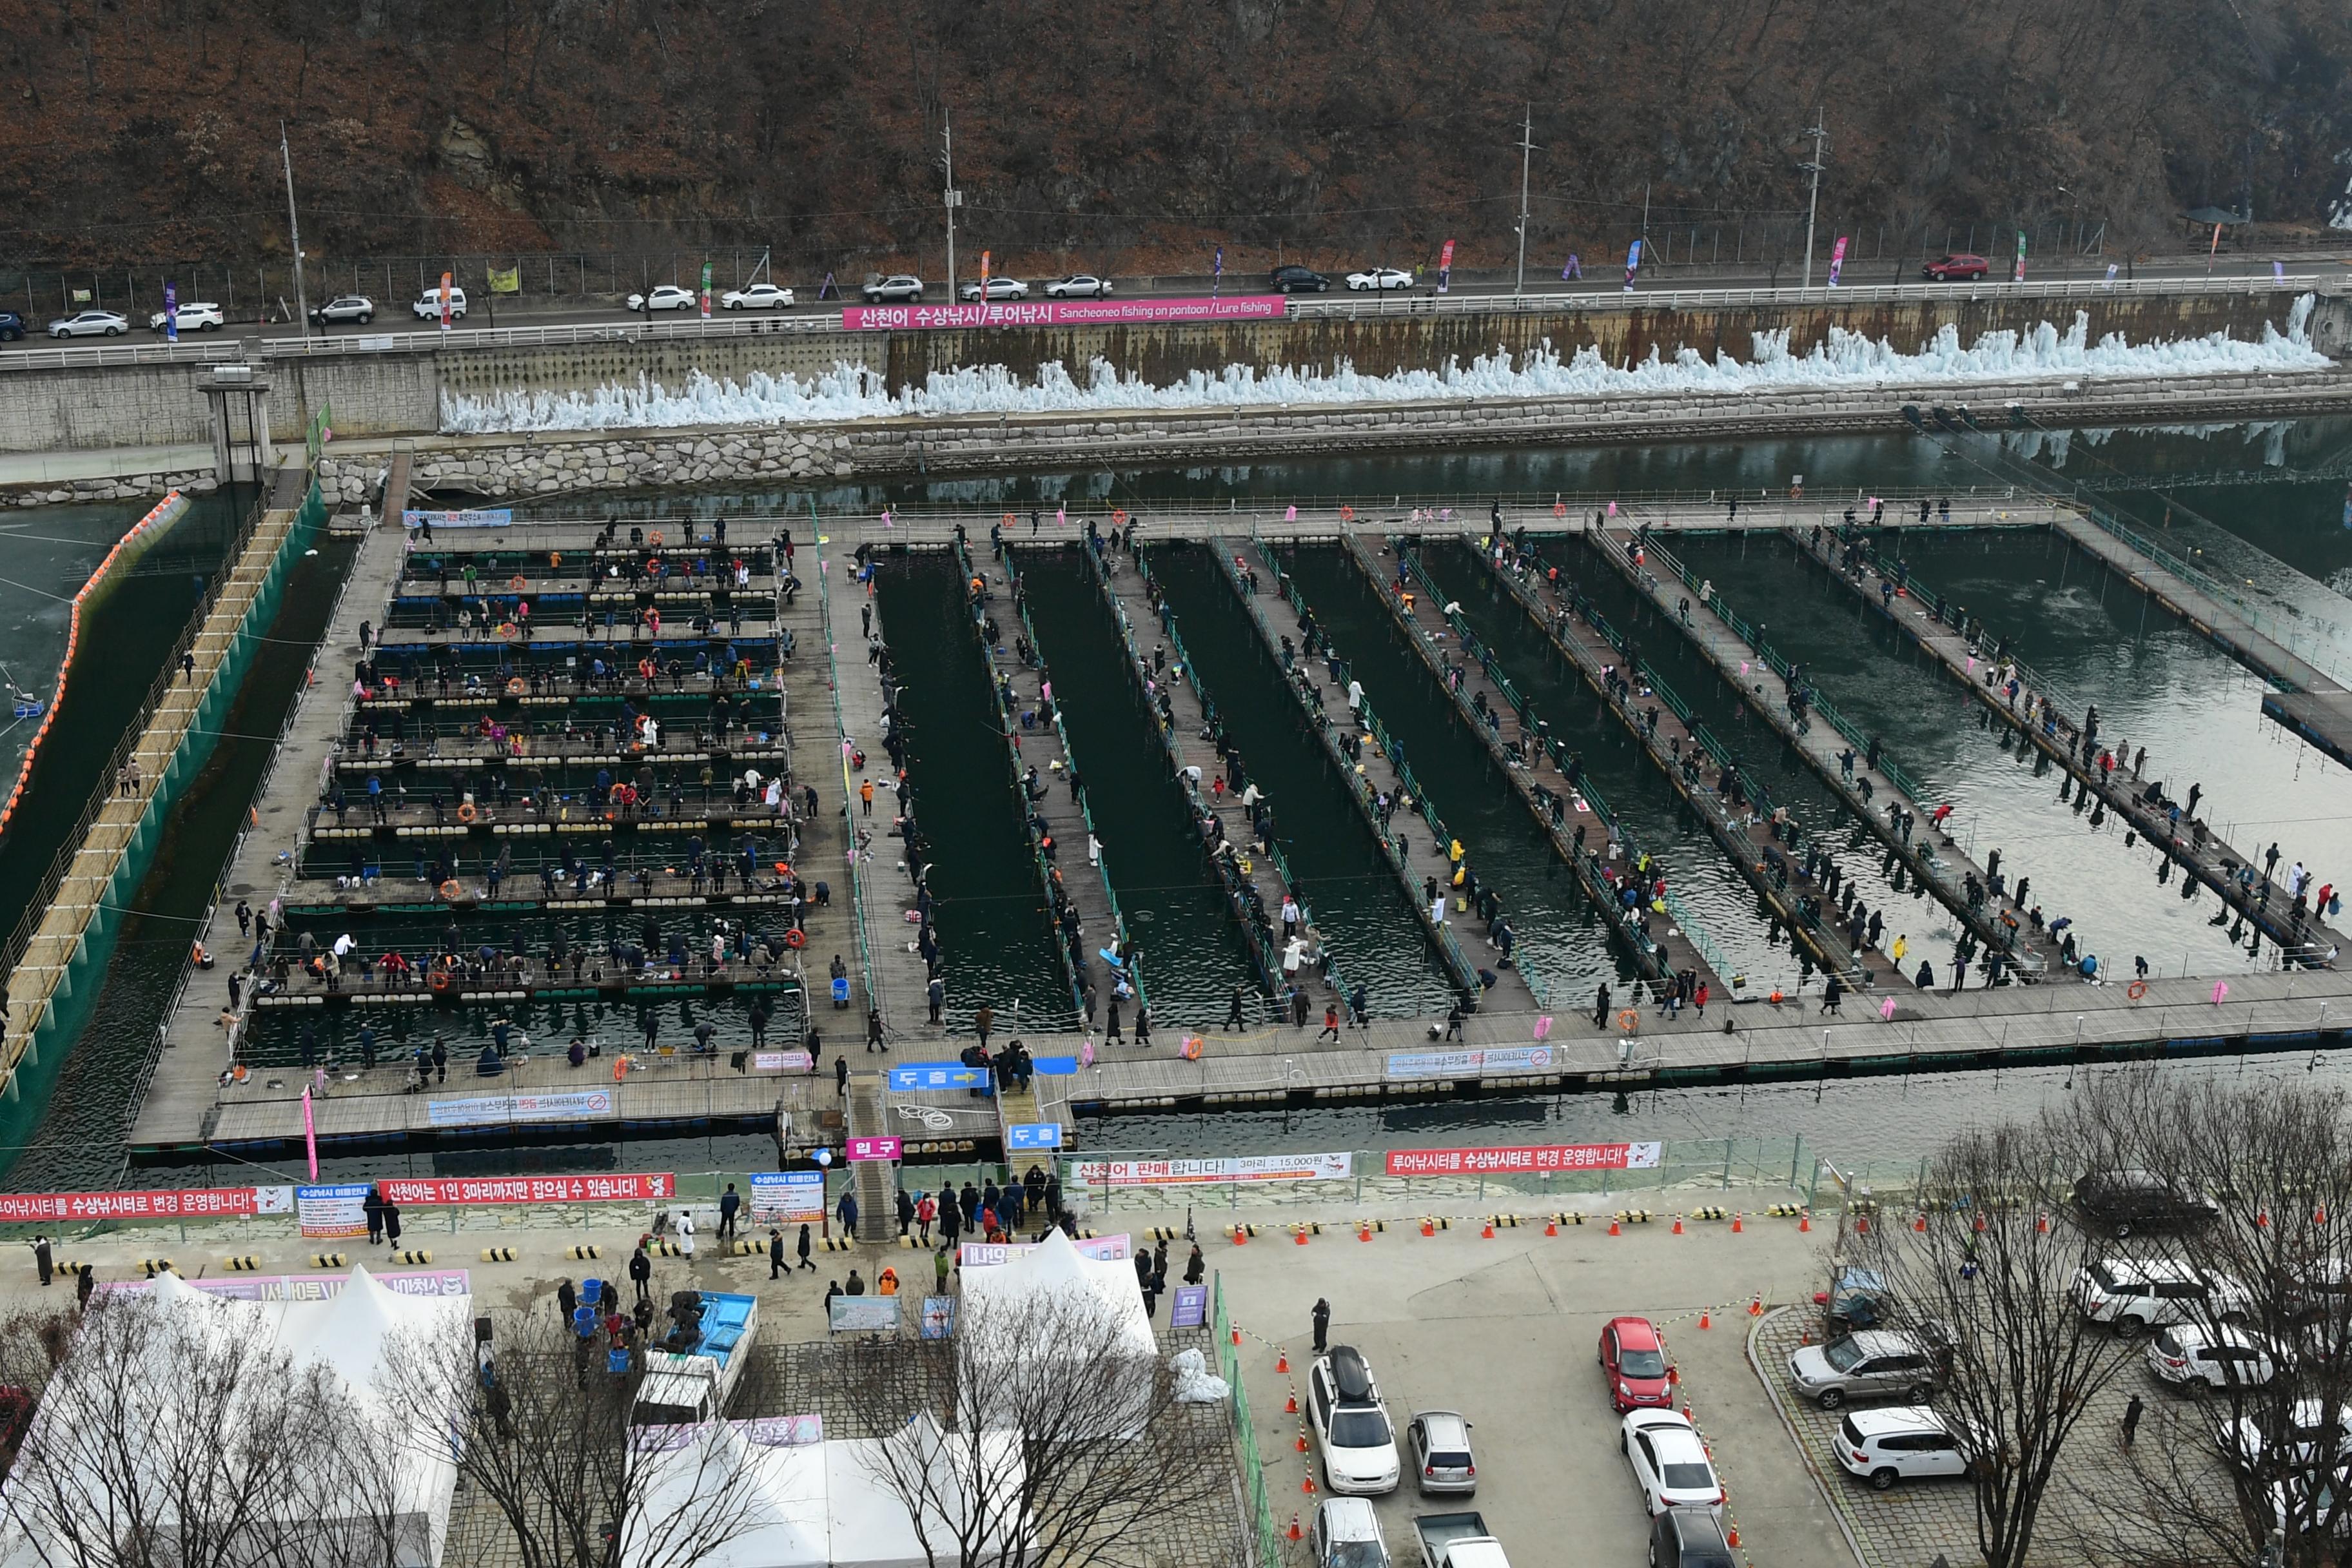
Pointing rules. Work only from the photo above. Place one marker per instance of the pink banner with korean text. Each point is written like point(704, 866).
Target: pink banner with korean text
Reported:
point(1062, 313)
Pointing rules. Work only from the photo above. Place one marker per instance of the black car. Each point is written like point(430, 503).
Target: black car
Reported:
point(12, 326)
point(2120, 1201)
point(1294, 278)
point(1688, 1538)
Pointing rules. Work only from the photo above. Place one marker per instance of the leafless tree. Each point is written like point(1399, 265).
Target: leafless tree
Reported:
point(545, 1437)
point(161, 1438)
point(2219, 1475)
point(1996, 1263)
point(1040, 1434)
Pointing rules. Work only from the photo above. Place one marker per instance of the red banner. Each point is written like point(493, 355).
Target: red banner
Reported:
point(432, 1190)
point(1523, 1157)
point(160, 1203)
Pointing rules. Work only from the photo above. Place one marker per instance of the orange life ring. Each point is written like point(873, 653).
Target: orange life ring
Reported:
point(658, 537)
point(515, 583)
point(1118, 517)
point(620, 1069)
point(467, 813)
point(1559, 509)
point(440, 980)
point(238, 1072)
point(1191, 1049)
point(450, 889)
point(2138, 990)
point(515, 687)
point(796, 938)
point(1347, 514)
point(1629, 1021)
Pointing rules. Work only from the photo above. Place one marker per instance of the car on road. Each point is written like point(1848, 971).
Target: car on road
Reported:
point(997, 288)
point(2195, 1360)
point(1689, 1538)
point(1379, 278)
point(897, 289)
point(758, 297)
point(12, 326)
point(2133, 1297)
point(1956, 267)
point(1871, 1362)
point(89, 324)
point(1346, 1534)
point(428, 305)
point(354, 308)
point(1903, 1443)
point(665, 297)
point(2120, 1201)
point(1670, 1464)
point(195, 316)
point(1439, 1444)
point(1350, 1425)
point(1078, 286)
point(1633, 1360)
point(1297, 279)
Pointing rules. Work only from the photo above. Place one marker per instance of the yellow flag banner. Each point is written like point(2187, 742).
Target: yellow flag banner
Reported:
point(508, 282)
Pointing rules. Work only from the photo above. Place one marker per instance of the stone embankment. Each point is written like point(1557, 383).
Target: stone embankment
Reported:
point(116, 487)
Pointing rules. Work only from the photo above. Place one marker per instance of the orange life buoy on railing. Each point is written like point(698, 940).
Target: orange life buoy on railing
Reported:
point(450, 889)
point(796, 938)
point(658, 537)
point(620, 1069)
point(238, 1072)
point(515, 583)
point(440, 980)
point(1347, 514)
point(515, 687)
point(1559, 509)
point(1118, 517)
point(1629, 1021)
point(467, 813)
point(2138, 989)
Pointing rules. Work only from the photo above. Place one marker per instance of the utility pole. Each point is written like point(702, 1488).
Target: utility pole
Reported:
point(1527, 151)
point(954, 196)
point(294, 232)
point(1812, 205)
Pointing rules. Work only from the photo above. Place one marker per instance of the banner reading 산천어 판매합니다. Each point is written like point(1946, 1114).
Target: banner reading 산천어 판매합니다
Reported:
point(1334, 1167)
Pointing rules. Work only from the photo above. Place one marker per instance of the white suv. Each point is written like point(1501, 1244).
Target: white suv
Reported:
point(2192, 1360)
point(1905, 1443)
point(2134, 1297)
point(1352, 1424)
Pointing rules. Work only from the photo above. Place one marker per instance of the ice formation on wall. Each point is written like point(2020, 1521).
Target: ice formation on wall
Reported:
point(850, 392)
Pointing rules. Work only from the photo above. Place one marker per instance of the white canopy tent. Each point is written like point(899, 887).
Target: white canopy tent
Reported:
point(1047, 1307)
point(868, 1481)
point(346, 1336)
point(785, 1519)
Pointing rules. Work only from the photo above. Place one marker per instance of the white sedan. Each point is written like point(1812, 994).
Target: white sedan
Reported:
point(665, 297)
point(1078, 286)
point(1670, 1464)
point(1382, 277)
point(89, 324)
point(758, 297)
point(998, 288)
point(195, 316)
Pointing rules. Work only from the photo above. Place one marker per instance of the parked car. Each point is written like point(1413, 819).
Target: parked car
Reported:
point(1670, 1464)
point(355, 307)
point(89, 324)
point(2194, 1360)
point(428, 305)
point(2262, 1438)
point(1351, 1424)
point(1440, 1445)
point(1346, 1534)
point(2120, 1201)
point(1078, 286)
point(2310, 1502)
point(194, 318)
point(997, 288)
point(1689, 1538)
point(1633, 1361)
point(2134, 1297)
point(1956, 267)
point(12, 326)
point(899, 286)
point(665, 297)
point(1911, 1362)
point(1295, 280)
point(758, 297)
point(1382, 277)
point(1904, 1443)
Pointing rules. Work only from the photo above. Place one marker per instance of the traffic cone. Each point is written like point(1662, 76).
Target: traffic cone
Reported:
point(1674, 1376)
point(1736, 1226)
point(1980, 1225)
point(2262, 1218)
point(1241, 1237)
point(1731, 1537)
point(1756, 1305)
point(1363, 1233)
point(1290, 1405)
point(1687, 1415)
point(1281, 1361)
point(2319, 1214)
point(1920, 1224)
point(1302, 1439)
point(1237, 1333)
point(1551, 1227)
point(1295, 1532)
point(1612, 1229)
point(1862, 1225)
point(2043, 1225)
point(1678, 1225)
point(1805, 1221)
point(1427, 1228)
point(1487, 1231)
point(1299, 1235)
point(1308, 1485)
point(1705, 1322)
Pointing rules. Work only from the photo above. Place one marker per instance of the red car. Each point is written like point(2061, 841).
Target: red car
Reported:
point(1954, 267)
point(1634, 1359)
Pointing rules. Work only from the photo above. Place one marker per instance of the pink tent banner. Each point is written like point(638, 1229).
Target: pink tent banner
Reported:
point(1062, 313)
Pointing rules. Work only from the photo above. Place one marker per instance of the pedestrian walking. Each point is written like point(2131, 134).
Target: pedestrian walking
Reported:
point(906, 1206)
point(804, 1248)
point(731, 1203)
point(2132, 1413)
point(1331, 1023)
point(1831, 992)
point(1601, 1007)
point(846, 1212)
point(85, 1287)
point(44, 1259)
point(840, 1074)
point(982, 1021)
point(641, 1272)
point(775, 1253)
point(927, 1209)
point(1234, 1010)
point(1321, 1317)
point(686, 1235)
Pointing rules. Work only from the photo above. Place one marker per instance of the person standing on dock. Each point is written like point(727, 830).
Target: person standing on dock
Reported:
point(1234, 1010)
point(1831, 993)
point(982, 1023)
point(1600, 1008)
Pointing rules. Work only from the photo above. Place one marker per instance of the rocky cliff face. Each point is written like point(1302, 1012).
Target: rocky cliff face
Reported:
point(1136, 135)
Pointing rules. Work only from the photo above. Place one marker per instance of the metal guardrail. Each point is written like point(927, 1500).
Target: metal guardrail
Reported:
point(860, 898)
point(106, 355)
point(432, 339)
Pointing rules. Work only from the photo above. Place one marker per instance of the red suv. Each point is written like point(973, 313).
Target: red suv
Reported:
point(1954, 267)
point(1633, 1360)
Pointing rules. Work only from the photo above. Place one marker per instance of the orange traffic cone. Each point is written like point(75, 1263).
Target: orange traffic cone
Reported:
point(1427, 1228)
point(1302, 1439)
point(1612, 1229)
point(1290, 1405)
point(1241, 1237)
point(2262, 1218)
point(1551, 1227)
point(1281, 1361)
point(2042, 1224)
point(1805, 1221)
point(2319, 1214)
point(1363, 1233)
point(1294, 1533)
point(1980, 1225)
point(1862, 1225)
point(1487, 1231)
point(1687, 1415)
point(1237, 1333)
point(1674, 1375)
point(1736, 1226)
point(1308, 1485)
point(1756, 1305)
point(1705, 1322)
point(1299, 1235)
point(1920, 1224)
point(1678, 1225)
point(1731, 1537)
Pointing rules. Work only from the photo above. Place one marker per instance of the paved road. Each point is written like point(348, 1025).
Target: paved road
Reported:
point(1605, 281)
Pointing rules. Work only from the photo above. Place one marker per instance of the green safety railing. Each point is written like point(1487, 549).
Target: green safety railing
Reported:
point(1465, 974)
point(860, 899)
point(1044, 867)
point(1085, 806)
point(1269, 1536)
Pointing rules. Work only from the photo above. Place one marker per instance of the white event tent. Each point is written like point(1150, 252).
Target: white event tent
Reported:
point(1051, 1304)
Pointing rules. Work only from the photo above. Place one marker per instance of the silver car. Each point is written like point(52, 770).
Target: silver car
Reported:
point(89, 324)
point(899, 286)
point(1870, 1364)
point(1440, 1452)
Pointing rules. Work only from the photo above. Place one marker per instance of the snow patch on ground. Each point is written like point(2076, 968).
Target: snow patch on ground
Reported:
point(1846, 359)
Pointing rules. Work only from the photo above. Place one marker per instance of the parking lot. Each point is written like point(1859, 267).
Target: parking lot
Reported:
point(1504, 1331)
